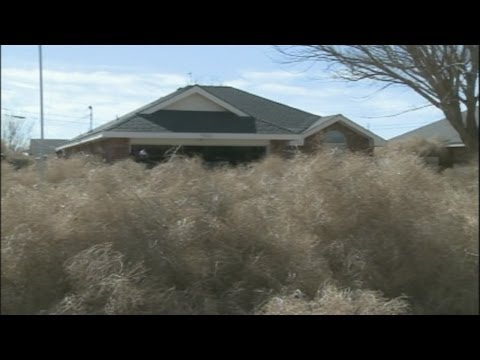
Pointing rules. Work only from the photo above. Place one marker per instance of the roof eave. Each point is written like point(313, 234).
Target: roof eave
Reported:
point(84, 140)
point(150, 135)
point(322, 123)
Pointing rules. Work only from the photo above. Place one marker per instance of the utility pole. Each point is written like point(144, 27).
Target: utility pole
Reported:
point(41, 90)
point(42, 160)
point(91, 118)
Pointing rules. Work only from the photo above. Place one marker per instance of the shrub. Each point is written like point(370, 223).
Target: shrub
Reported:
point(103, 283)
point(332, 301)
point(19, 161)
point(183, 239)
point(415, 145)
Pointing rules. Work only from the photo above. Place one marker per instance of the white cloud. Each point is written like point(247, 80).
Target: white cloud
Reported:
point(270, 75)
point(283, 89)
point(89, 78)
point(238, 83)
point(67, 96)
point(269, 80)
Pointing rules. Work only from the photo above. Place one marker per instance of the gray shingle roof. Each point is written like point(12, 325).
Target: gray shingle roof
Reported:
point(439, 129)
point(114, 123)
point(197, 122)
point(264, 117)
point(289, 118)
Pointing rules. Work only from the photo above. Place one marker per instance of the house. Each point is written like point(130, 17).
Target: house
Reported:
point(46, 146)
point(454, 150)
point(220, 123)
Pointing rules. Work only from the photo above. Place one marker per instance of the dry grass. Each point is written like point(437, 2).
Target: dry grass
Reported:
point(415, 145)
point(182, 239)
point(332, 301)
point(103, 283)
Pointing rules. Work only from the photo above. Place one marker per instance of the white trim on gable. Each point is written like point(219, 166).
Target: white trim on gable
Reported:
point(322, 124)
point(189, 92)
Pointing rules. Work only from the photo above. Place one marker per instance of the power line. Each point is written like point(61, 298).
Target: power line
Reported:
point(49, 114)
point(55, 120)
point(50, 119)
point(63, 126)
point(399, 125)
point(400, 113)
point(68, 121)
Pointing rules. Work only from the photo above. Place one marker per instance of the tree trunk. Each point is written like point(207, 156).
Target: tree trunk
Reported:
point(472, 130)
point(467, 129)
point(472, 146)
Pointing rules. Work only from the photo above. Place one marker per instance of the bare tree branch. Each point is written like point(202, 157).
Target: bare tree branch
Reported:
point(445, 75)
point(16, 132)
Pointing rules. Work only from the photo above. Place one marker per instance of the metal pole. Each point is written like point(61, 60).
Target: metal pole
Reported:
point(91, 118)
point(41, 90)
point(41, 111)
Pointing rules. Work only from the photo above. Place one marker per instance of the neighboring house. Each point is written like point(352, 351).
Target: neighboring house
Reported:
point(221, 123)
point(47, 146)
point(454, 150)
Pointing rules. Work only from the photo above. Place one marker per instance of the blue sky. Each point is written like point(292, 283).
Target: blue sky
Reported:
point(115, 80)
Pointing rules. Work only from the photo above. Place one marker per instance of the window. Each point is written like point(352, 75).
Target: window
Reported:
point(335, 139)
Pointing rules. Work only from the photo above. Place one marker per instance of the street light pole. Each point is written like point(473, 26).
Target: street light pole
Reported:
point(91, 118)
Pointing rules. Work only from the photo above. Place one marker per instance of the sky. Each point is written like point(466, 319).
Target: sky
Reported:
point(115, 80)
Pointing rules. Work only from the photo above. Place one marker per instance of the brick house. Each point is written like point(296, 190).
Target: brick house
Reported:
point(220, 123)
point(453, 151)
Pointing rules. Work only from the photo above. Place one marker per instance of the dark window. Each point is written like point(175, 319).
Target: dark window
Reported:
point(335, 137)
point(214, 154)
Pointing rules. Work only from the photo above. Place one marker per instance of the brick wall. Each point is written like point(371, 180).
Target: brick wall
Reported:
point(116, 149)
point(460, 155)
point(355, 141)
point(278, 147)
point(454, 155)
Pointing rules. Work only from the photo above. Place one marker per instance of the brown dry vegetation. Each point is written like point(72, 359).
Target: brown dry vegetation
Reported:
point(15, 158)
point(415, 145)
point(324, 234)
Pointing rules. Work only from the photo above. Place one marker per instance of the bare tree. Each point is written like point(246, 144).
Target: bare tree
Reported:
point(16, 131)
point(445, 75)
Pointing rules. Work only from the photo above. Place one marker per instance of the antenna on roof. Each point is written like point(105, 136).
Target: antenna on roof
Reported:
point(190, 78)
